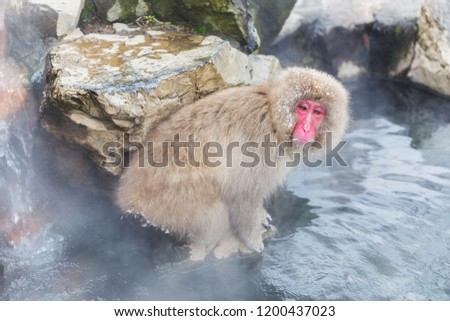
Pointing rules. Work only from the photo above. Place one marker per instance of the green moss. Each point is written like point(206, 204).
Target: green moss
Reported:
point(164, 10)
point(128, 10)
point(150, 18)
point(88, 11)
point(216, 5)
point(202, 30)
point(203, 16)
point(83, 15)
point(398, 31)
point(89, 7)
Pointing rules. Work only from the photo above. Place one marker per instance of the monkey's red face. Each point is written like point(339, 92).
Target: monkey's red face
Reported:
point(309, 117)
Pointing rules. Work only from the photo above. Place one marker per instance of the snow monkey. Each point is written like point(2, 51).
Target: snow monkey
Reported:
point(206, 169)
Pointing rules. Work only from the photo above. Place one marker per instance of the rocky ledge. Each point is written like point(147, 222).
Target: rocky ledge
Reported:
point(100, 87)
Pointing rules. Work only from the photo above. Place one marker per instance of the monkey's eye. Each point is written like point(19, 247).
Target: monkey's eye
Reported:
point(302, 107)
point(317, 111)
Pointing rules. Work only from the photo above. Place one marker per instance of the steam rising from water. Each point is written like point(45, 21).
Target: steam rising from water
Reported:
point(378, 229)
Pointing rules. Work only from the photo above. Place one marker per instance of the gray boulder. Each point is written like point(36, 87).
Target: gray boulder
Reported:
point(431, 64)
point(67, 13)
point(269, 17)
point(349, 38)
point(226, 18)
point(33, 27)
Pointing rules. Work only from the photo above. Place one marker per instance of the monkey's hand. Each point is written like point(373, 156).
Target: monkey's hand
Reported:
point(254, 240)
point(255, 229)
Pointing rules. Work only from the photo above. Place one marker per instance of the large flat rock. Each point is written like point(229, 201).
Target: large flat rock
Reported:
point(103, 86)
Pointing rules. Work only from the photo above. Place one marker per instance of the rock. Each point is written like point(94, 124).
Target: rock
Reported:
point(269, 17)
point(431, 64)
point(263, 67)
point(64, 164)
point(33, 27)
point(31, 30)
point(101, 87)
point(226, 18)
point(68, 13)
point(349, 38)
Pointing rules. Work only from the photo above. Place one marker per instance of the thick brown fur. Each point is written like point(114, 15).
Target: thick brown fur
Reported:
point(213, 207)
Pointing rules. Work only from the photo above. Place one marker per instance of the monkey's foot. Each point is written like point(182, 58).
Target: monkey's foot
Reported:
point(198, 252)
point(228, 246)
point(254, 241)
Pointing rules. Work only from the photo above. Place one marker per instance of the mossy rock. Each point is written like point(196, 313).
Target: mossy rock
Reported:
point(226, 18)
point(269, 18)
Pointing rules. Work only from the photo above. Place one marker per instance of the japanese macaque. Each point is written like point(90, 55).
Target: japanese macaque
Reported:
point(195, 179)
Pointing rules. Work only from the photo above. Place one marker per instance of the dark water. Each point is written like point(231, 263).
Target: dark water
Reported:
point(377, 229)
